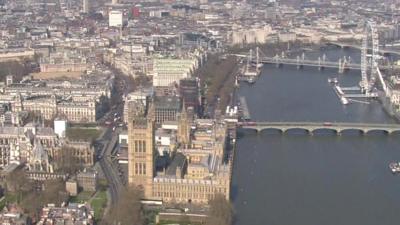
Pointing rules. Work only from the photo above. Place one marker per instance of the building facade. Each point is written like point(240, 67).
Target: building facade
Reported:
point(193, 173)
point(49, 107)
point(141, 154)
point(169, 71)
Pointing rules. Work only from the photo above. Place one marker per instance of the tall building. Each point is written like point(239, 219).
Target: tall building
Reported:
point(184, 127)
point(115, 18)
point(135, 12)
point(141, 157)
point(9, 80)
point(86, 6)
point(165, 108)
point(192, 173)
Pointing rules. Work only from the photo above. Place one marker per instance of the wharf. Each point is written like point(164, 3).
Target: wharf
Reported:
point(244, 108)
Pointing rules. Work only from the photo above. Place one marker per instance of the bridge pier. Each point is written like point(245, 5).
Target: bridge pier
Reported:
point(319, 63)
point(341, 66)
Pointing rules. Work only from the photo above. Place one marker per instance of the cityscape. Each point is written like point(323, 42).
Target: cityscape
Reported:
point(202, 112)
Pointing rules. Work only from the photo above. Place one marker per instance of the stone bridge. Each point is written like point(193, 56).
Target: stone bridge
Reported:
point(312, 127)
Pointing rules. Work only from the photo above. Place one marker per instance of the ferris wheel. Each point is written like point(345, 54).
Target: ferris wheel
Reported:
point(370, 58)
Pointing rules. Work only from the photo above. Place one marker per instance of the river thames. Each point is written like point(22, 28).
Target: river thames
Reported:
point(296, 179)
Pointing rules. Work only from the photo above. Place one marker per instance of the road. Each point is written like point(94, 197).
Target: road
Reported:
point(109, 142)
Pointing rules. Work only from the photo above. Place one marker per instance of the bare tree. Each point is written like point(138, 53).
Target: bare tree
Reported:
point(52, 191)
point(18, 182)
point(221, 211)
point(128, 209)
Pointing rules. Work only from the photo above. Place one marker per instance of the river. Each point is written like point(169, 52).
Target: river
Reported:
point(296, 179)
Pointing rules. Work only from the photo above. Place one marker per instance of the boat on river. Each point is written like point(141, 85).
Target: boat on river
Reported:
point(344, 100)
point(333, 80)
point(394, 167)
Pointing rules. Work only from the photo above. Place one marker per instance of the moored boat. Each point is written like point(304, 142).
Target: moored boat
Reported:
point(344, 100)
point(394, 167)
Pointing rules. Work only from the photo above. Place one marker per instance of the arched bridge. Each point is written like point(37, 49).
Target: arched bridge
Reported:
point(311, 127)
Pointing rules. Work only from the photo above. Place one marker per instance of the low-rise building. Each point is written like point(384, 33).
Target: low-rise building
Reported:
point(87, 180)
point(71, 214)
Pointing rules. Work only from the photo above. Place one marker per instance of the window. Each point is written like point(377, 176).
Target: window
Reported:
point(136, 146)
point(136, 168)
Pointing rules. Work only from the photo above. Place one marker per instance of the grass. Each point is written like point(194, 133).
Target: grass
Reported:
point(150, 216)
point(82, 197)
point(54, 75)
point(83, 134)
point(98, 203)
point(8, 198)
point(169, 222)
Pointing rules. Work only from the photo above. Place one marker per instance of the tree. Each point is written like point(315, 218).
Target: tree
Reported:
point(33, 195)
point(221, 211)
point(52, 191)
point(128, 210)
point(18, 182)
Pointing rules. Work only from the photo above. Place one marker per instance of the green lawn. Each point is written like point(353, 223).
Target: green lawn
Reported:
point(98, 203)
point(166, 222)
point(83, 134)
point(82, 197)
point(8, 198)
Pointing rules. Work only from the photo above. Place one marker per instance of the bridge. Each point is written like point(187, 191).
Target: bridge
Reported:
point(342, 64)
point(359, 47)
point(312, 127)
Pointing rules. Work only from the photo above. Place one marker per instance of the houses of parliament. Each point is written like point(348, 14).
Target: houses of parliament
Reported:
point(196, 166)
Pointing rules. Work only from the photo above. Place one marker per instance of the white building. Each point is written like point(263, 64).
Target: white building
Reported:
point(115, 18)
point(60, 127)
point(164, 140)
point(249, 35)
point(86, 6)
point(9, 80)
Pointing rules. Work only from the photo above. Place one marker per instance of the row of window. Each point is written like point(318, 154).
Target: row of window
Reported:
point(185, 188)
point(183, 195)
point(140, 146)
point(140, 168)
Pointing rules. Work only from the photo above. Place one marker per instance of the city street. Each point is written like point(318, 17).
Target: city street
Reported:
point(110, 171)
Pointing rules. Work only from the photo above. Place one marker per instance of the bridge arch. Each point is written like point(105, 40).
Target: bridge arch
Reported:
point(375, 131)
point(351, 131)
point(271, 130)
point(249, 129)
point(324, 130)
point(394, 132)
point(296, 130)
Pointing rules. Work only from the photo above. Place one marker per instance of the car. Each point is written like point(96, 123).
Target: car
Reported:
point(327, 124)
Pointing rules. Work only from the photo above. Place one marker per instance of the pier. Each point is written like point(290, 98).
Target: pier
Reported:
point(244, 108)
